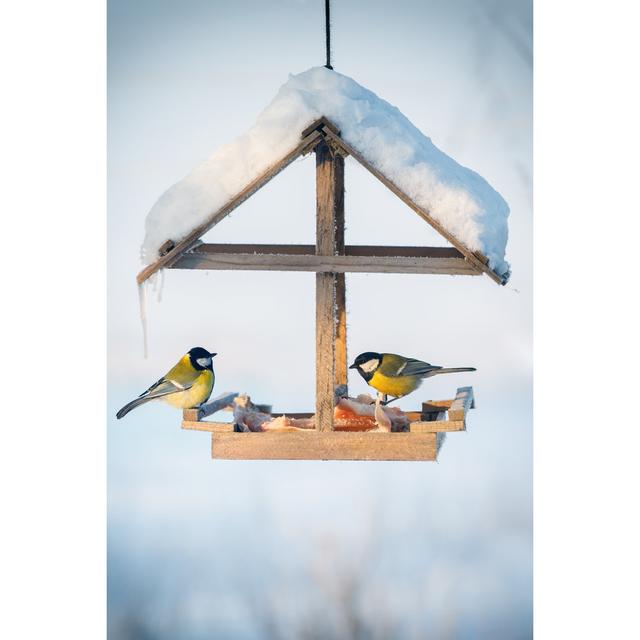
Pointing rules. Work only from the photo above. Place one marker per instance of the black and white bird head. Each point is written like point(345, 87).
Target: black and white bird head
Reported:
point(201, 359)
point(367, 364)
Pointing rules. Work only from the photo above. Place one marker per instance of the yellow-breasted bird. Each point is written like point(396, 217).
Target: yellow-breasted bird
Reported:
point(397, 376)
point(185, 386)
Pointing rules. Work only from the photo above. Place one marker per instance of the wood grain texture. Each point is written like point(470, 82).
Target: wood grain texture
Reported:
point(310, 250)
point(186, 243)
point(461, 404)
point(325, 288)
point(342, 358)
point(325, 350)
point(340, 331)
point(323, 263)
point(205, 425)
point(328, 195)
point(439, 425)
point(329, 445)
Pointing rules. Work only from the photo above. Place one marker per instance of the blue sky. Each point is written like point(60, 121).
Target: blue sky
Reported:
point(453, 537)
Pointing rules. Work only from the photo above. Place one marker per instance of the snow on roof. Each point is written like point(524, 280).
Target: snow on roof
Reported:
point(457, 197)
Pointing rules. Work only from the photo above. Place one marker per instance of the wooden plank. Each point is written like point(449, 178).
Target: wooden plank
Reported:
point(323, 263)
point(186, 243)
point(205, 425)
point(190, 415)
point(342, 358)
point(327, 445)
point(461, 404)
point(326, 195)
point(340, 331)
point(310, 250)
point(440, 425)
point(450, 415)
point(478, 260)
point(325, 350)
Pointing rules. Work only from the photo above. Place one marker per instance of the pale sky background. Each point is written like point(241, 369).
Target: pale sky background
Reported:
point(231, 549)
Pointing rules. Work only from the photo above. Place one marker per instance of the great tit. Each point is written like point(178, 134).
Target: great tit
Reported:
point(185, 386)
point(394, 375)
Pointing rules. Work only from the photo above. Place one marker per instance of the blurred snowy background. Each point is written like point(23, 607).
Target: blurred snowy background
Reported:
point(247, 550)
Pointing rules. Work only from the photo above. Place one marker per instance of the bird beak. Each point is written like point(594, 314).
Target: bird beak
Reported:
point(213, 354)
point(353, 366)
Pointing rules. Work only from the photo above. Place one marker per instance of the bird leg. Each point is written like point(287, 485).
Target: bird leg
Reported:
point(386, 402)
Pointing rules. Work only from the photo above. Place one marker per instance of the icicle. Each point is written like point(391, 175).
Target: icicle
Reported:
point(142, 299)
point(161, 285)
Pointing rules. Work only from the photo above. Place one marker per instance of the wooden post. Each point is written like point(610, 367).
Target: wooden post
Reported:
point(329, 212)
point(342, 363)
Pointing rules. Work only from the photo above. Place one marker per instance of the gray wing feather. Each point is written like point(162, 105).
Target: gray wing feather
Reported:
point(163, 388)
point(417, 368)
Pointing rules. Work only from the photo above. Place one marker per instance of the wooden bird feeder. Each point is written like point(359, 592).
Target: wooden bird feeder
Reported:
point(329, 259)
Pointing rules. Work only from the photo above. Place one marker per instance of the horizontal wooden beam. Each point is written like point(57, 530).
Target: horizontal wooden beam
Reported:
point(210, 426)
point(440, 425)
point(356, 260)
point(325, 445)
point(310, 249)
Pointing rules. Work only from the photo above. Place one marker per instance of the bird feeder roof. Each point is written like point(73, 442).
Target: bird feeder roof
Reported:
point(455, 200)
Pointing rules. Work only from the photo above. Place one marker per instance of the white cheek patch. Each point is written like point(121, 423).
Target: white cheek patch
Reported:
point(204, 362)
point(370, 365)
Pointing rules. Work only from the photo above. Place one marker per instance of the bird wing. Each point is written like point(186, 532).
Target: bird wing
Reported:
point(179, 378)
point(163, 388)
point(413, 367)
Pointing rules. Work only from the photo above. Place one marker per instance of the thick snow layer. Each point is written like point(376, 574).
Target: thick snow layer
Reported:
point(461, 200)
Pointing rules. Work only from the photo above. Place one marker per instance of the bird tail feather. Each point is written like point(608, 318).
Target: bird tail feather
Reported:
point(132, 405)
point(436, 372)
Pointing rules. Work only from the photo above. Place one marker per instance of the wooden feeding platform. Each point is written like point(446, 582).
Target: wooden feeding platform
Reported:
point(330, 259)
point(347, 441)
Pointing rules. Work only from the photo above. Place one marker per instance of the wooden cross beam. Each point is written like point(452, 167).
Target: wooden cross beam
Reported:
point(302, 257)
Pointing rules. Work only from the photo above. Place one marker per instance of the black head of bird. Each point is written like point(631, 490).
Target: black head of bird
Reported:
point(201, 359)
point(367, 363)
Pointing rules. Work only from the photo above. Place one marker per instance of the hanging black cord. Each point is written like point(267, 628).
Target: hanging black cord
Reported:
point(327, 28)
